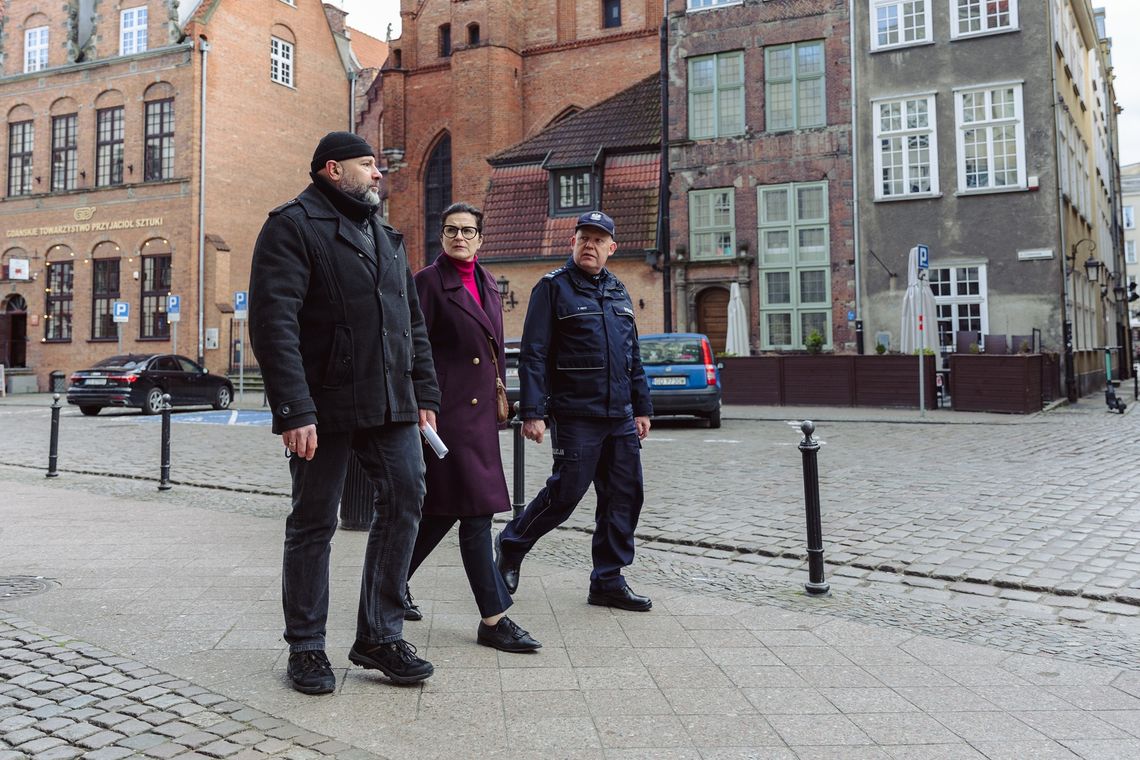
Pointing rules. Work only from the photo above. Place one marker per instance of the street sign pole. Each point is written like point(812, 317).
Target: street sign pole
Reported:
point(173, 317)
point(923, 266)
point(241, 314)
point(120, 314)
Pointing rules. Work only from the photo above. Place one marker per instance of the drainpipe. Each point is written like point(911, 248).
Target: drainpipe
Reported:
point(855, 182)
point(352, 101)
point(1066, 283)
point(204, 46)
point(663, 234)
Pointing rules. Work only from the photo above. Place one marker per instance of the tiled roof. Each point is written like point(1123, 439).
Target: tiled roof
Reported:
point(627, 121)
point(624, 131)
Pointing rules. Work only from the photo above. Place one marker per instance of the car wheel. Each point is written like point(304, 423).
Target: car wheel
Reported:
point(90, 411)
point(223, 397)
point(152, 404)
point(714, 418)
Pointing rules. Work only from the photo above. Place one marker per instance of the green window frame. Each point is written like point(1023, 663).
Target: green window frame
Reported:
point(712, 223)
point(716, 95)
point(795, 86)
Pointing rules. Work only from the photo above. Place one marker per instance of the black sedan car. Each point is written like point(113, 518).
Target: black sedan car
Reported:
point(140, 380)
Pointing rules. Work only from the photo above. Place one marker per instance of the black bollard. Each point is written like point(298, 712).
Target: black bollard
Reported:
point(810, 449)
point(518, 503)
point(53, 448)
point(164, 468)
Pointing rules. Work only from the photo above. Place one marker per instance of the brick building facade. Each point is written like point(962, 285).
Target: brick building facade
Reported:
point(467, 80)
point(122, 182)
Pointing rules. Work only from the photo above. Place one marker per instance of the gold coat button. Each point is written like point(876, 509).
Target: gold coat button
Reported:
point(475, 360)
point(474, 401)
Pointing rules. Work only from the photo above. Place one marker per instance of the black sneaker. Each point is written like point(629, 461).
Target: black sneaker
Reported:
point(411, 611)
point(506, 636)
point(311, 672)
point(397, 660)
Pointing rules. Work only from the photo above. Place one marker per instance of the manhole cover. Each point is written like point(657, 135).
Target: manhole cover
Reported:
point(12, 586)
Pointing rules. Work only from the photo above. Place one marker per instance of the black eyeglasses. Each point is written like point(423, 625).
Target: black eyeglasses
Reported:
point(450, 231)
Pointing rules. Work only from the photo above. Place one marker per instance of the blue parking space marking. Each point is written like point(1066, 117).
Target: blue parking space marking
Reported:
point(223, 417)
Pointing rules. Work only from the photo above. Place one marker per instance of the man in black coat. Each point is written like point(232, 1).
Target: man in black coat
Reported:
point(336, 326)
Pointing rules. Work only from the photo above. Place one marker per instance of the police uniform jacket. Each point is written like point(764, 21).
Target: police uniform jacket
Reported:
point(579, 353)
point(466, 345)
point(335, 322)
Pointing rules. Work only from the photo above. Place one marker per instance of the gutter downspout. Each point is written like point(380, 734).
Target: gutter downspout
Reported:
point(664, 235)
point(204, 46)
point(855, 182)
point(1066, 284)
point(352, 101)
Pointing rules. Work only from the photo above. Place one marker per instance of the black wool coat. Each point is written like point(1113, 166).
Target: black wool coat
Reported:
point(469, 480)
point(336, 324)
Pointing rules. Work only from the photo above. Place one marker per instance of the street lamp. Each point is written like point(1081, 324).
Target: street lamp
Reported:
point(506, 294)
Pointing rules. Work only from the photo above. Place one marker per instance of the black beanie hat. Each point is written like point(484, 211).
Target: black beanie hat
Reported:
point(337, 146)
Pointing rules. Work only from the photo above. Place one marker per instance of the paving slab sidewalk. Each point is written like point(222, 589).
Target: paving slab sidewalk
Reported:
point(135, 625)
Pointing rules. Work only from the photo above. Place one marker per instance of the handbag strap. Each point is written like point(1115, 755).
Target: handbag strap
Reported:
point(494, 351)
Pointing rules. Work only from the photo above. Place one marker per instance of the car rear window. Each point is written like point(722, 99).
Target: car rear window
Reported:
point(686, 351)
point(123, 361)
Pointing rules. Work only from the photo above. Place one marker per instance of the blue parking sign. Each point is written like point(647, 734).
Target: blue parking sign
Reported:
point(241, 304)
point(121, 311)
point(923, 257)
point(173, 308)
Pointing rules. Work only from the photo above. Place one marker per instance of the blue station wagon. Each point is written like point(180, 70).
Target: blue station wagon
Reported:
point(683, 375)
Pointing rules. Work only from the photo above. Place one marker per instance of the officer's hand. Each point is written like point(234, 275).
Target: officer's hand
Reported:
point(534, 430)
point(642, 427)
point(301, 442)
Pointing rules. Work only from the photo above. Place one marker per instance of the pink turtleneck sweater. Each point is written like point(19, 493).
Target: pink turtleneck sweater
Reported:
point(466, 271)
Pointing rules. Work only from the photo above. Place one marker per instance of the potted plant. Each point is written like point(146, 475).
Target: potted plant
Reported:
point(814, 342)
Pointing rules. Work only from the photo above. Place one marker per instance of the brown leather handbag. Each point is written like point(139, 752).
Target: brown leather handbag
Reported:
point(502, 408)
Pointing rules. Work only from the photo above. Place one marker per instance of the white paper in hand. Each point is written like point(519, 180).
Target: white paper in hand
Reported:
point(434, 441)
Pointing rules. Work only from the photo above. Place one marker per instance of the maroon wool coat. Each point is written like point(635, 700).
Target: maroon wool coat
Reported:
point(469, 480)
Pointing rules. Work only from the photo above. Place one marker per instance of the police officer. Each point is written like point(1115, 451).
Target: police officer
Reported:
point(580, 367)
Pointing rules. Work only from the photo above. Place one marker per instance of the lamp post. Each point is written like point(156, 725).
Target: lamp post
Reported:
point(506, 295)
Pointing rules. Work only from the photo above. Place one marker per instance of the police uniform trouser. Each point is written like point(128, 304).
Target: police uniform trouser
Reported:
point(606, 452)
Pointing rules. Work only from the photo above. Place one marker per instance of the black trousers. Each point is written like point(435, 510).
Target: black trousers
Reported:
point(475, 550)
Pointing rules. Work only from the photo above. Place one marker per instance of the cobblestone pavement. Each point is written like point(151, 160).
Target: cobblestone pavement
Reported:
point(1038, 510)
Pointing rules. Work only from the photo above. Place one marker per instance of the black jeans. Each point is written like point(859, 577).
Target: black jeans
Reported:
point(392, 457)
point(491, 595)
point(598, 450)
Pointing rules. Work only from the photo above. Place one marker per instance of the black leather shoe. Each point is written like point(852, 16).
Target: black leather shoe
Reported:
point(509, 571)
point(622, 598)
point(311, 672)
point(411, 611)
point(506, 636)
point(397, 660)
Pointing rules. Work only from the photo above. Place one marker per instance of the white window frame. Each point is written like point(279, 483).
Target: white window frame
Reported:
point(716, 239)
point(281, 58)
point(949, 317)
point(792, 261)
point(900, 9)
point(956, 32)
point(794, 81)
point(717, 91)
point(133, 30)
point(908, 108)
point(36, 46)
point(1017, 121)
point(1129, 218)
point(704, 5)
point(1129, 251)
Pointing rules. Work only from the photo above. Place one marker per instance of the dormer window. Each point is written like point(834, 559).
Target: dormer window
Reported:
point(573, 191)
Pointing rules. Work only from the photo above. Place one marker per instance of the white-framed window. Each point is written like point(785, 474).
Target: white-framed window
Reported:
point(712, 223)
point(281, 61)
point(1129, 218)
point(960, 297)
point(899, 22)
point(906, 147)
point(573, 190)
point(700, 5)
point(990, 138)
point(969, 17)
point(1129, 251)
point(132, 30)
point(716, 95)
point(794, 263)
point(794, 86)
point(35, 49)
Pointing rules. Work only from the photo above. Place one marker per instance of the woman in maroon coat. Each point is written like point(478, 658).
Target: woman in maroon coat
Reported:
point(464, 318)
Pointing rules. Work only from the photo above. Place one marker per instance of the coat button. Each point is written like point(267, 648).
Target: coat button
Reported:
point(474, 401)
point(475, 360)
point(285, 409)
point(405, 333)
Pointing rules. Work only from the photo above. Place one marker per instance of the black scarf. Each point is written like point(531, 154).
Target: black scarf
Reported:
point(353, 209)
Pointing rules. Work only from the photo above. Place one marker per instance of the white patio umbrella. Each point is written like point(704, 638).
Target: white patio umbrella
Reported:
point(918, 299)
point(736, 341)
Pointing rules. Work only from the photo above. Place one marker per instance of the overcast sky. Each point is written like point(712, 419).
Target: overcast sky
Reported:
point(373, 17)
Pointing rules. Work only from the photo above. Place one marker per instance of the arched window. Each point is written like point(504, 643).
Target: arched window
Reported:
point(437, 196)
point(105, 275)
point(472, 34)
point(59, 292)
point(158, 151)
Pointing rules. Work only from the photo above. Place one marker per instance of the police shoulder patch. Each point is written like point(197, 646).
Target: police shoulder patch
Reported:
point(555, 273)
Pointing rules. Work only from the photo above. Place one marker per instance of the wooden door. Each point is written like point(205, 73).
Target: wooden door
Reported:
point(712, 316)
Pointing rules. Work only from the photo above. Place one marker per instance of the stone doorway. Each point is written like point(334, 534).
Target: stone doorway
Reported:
point(14, 331)
point(712, 316)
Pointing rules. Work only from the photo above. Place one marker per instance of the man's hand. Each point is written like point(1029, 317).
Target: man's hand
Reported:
point(534, 430)
point(301, 442)
point(642, 427)
point(427, 417)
